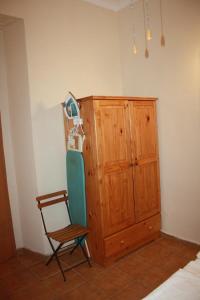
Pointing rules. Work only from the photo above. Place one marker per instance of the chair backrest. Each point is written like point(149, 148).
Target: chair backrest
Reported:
point(49, 200)
point(44, 200)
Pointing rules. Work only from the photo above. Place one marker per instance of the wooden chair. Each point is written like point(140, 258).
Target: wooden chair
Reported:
point(72, 232)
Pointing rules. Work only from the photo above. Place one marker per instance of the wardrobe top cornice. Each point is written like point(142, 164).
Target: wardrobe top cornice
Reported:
point(118, 98)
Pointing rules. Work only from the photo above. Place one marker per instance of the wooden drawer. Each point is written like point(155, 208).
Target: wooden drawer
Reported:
point(130, 237)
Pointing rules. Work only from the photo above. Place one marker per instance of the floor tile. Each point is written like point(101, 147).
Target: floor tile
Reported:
point(153, 278)
point(10, 266)
point(4, 293)
point(135, 268)
point(86, 291)
point(59, 286)
point(28, 258)
point(134, 292)
point(74, 258)
point(155, 251)
point(42, 271)
point(89, 273)
point(17, 280)
point(132, 277)
point(111, 281)
point(34, 292)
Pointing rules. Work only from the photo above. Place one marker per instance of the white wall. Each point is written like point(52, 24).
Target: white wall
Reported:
point(8, 147)
point(173, 75)
point(21, 128)
point(71, 45)
point(75, 49)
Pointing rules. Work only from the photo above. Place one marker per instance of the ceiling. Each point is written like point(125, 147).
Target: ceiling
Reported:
point(114, 5)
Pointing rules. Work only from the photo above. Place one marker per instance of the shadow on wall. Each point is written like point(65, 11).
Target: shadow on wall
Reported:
point(50, 155)
point(21, 130)
point(50, 150)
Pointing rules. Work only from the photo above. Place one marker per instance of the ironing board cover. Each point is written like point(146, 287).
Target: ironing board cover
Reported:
point(76, 187)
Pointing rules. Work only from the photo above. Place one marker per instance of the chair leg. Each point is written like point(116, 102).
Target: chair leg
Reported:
point(86, 256)
point(85, 253)
point(74, 248)
point(87, 249)
point(79, 240)
point(52, 256)
point(59, 264)
point(56, 256)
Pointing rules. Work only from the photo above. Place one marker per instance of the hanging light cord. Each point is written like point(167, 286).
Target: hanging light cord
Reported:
point(161, 18)
point(134, 32)
point(162, 39)
point(145, 29)
point(145, 25)
point(147, 15)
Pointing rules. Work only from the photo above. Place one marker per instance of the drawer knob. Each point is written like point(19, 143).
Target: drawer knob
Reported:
point(150, 227)
point(121, 242)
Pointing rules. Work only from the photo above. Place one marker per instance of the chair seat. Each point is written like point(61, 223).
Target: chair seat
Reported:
point(68, 233)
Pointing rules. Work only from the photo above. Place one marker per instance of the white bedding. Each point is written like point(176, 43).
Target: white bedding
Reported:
point(182, 285)
point(193, 267)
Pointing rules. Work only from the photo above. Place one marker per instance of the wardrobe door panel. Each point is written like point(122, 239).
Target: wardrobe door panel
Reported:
point(115, 171)
point(146, 171)
point(146, 190)
point(114, 132)
point(118, 205)
point(144, 129)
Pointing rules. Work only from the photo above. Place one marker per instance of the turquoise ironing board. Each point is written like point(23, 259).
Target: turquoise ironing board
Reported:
point(76, 187)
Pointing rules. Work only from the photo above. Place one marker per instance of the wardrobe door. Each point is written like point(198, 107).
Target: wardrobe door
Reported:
point(115, 167)
point(146, 174)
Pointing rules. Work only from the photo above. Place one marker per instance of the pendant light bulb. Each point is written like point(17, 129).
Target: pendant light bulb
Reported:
point(146, 53)
point(134, 49)
point(162, 40)
point(149, 34)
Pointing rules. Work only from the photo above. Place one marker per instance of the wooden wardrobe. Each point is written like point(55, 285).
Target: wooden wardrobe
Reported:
point(122, 174)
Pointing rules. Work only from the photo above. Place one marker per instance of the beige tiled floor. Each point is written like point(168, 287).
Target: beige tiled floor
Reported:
point(132, 277)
